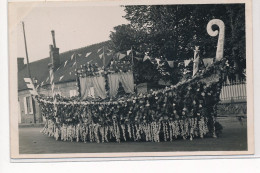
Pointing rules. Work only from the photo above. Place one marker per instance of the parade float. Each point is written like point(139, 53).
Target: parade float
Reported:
point(186, 110)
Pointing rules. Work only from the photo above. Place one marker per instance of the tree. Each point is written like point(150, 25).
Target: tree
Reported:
point(171, 32)
point(124, 37)
point(236, 41)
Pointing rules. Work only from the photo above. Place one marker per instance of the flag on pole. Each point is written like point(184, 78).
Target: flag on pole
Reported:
point(228, 81)
point(196, 62)
point(30, 85)
point(52, 80)
point(88, 54)
point(132, 58)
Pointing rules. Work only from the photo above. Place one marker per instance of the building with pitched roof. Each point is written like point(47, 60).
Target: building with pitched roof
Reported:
point(64, 65)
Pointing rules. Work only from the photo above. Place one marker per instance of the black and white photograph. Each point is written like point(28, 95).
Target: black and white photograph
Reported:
point(122, 80)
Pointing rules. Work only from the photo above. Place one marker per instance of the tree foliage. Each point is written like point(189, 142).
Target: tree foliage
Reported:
point(171, 32)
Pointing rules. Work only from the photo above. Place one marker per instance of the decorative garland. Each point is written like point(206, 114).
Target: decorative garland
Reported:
point(186, 110)
point(114, 67)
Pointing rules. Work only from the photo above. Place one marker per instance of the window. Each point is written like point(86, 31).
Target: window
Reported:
point(73, 93)
point(28, 105)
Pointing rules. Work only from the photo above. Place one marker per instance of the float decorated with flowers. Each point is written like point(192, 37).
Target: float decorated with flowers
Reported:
point(186, 110)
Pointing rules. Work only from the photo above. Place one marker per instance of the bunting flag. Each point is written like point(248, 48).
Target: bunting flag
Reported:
point(74, 63)
point(157, 60)
point(117, 55)
point(99, 50)
point(207, 61)
point(139, 59)
point(121, 56)
point(128, 52)
point(109, 53)
point(88, 54)
point(186, 62)
point(61, 78)
point(65, 63)
point(228, 81)
point(37, 86)
point(72, 56)
point(170, 63)
point(137, 53)
point(30, 86)
point(101, 55)
point(146, 57)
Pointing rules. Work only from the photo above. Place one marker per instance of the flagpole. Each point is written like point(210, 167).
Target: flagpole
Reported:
point(26, 52)
point(77, 77)
point(133, 63)
point(132, 59)
point(29, 71)
point(104, 57)
point(76, 61)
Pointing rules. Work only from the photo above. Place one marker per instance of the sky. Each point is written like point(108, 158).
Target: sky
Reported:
point(75, 27)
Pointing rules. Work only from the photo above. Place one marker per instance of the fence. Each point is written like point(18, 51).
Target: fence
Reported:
point(233, 90)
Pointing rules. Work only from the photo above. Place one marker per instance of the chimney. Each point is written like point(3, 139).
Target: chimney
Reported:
point(53, 38)
point(20, 63)
point(54, 53)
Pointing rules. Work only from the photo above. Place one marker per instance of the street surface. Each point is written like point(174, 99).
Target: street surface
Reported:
point(233, 138)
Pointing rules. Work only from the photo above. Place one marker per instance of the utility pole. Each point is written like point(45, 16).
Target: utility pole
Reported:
point(29, 72)
point(26, 52)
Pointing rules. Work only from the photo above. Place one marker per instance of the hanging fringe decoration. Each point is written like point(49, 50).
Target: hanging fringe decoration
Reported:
point(150, 132)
